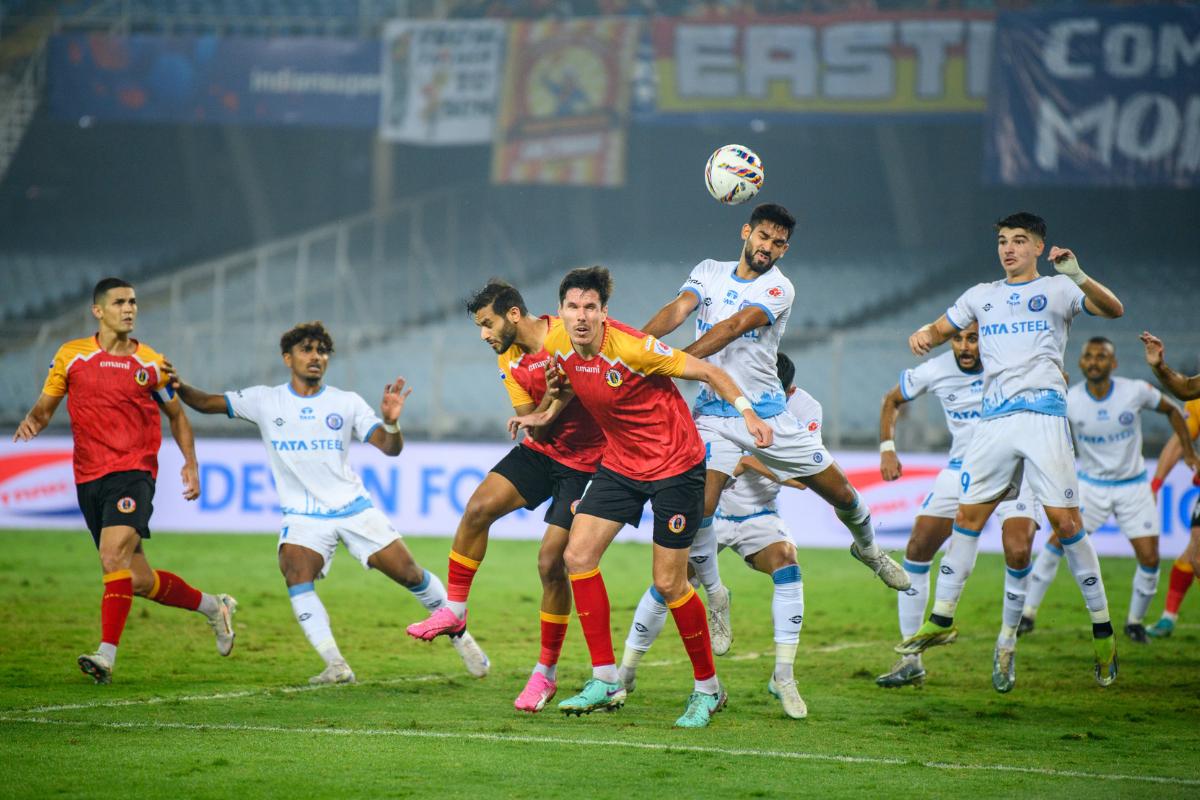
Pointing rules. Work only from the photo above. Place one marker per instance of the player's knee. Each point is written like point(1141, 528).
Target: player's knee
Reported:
point(552, 568)
point(579, 559)
point(671, 587)
point(482, 511)
point(1018, 554)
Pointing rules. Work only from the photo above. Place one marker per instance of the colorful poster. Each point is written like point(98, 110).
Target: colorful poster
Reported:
point(441, 81)
point(857, 64)
point(565, 106)
point(1096, 97)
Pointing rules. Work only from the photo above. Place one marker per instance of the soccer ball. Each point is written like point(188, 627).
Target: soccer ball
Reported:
point(733, 174)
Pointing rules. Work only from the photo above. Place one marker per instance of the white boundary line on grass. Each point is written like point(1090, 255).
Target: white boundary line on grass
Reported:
point(654, 746)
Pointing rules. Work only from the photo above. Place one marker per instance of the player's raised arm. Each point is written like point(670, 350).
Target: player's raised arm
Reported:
point(889, 463)
point(927, 337)
point(387, 437)
point(695, 369)
point(727, 330)
point(1099, 299)
point(181, 432)
point(38, 417)
point(196, 399)
point(672, 315)
point(1177, 384)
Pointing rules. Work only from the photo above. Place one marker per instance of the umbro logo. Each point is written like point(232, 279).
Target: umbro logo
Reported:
point(279, 422)
point(699, 559)
point(946, 570)
point(987, 306)
point(1090, 581)
point(796, 620)
point(305, 617)
point(639, 627)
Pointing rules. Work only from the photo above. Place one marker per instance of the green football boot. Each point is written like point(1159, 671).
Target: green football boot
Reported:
point(700, 708)
point(596, 695)
point(928, 635)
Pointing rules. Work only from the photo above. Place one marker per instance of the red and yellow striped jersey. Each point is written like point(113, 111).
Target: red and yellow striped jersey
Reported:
point(574, 440)
point(114, 417)
point(627, 387)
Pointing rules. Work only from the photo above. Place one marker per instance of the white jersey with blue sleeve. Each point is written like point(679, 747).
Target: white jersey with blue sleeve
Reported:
point(1108, 431)
point(960, 394)
point(750, 359)
point(1022, 334)
point(308, 440)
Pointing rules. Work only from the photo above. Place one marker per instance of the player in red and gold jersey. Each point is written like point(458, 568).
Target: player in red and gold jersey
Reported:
point(623, 378)
point(555, 466)
point(115, 387)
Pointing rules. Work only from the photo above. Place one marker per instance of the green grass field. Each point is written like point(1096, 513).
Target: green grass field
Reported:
point(179, 721)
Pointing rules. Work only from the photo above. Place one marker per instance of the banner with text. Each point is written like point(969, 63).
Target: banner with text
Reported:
point(853, 64)
point(1096, 97)
point(425, 490)
point(565, 107)
point(441, 81)
point(279, 81)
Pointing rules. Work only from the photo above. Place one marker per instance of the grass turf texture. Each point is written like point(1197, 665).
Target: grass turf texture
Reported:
point(179, 719)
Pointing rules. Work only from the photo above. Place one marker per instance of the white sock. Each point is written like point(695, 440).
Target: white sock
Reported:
point(1045, 567)
point(607, 673)
point(703, 557)
point(314, 621)
point(1145, 586)
point(1085, 566)
point(459, 607)
point(912, 602)
point(109, 651)
point(708, 686)
point(550, 673)
point(787, 612)
point(431, 592)
point(1016, 586)
point(857, 519)
point(954, 570)
point(209, 605)
point(648, 621)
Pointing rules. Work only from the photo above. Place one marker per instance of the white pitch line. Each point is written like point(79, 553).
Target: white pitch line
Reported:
point(654, 746)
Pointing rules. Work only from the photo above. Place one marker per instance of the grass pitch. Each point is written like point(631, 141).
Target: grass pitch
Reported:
point(178, 720)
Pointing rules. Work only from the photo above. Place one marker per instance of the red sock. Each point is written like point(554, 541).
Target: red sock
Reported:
point(591, 604)
point(115, 605)
point(459, 576)
point(554, 630)
point(172, 590)
point(692, 622)
point(1181, 581)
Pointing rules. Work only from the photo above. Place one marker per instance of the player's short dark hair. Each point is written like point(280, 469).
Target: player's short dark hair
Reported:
point(1101, 340)
point(304, 332)
point(501, 296)
point(104, 285)
point(1023, 219)
point(773, 212)
point(786, 370)
point(595, 278)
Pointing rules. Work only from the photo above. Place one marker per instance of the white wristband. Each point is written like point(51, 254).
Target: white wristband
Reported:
point(742, 404)
point(391, 427)
point(887, 447)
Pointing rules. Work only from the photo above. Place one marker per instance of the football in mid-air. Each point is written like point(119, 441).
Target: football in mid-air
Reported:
point(733, 174)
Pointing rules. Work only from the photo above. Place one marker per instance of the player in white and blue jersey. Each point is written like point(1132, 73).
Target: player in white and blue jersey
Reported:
point(1105, 414)
point(1022, 431)
point(307, 427)
point(956, 379)
point(747, 520)
point(742, 310)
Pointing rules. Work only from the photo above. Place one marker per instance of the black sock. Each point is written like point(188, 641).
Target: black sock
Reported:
point(1102, 630)
point(946, 622)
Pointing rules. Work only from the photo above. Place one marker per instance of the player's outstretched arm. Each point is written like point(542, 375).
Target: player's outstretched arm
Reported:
point(889, 463)
point(718, 336)
point(695, 369)
point(543, 418)
point(38, 417)
point(927, 337)
point(388, 439)
point(672, 315)
point(1182, 387)
point(1182, 434)
point(1099, 299)
point(181, 432)
point(195, 399)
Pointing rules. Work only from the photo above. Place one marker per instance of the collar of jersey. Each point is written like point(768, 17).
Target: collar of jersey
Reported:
point(306, 396)
point(1025, 283)
point(733, 274)
point(1112, 384)
point(137, 345)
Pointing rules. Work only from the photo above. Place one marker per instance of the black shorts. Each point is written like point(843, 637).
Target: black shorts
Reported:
point(538, 477)
point(678, 503)
point(119, 498)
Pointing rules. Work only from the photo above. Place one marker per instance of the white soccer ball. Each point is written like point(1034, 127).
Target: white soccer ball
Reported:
point(733, 174)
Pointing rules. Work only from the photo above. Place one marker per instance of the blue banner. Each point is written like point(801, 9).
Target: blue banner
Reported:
point(285, 81)
point(1096, 97)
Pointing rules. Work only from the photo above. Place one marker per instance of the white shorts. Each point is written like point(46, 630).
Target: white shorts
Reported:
point(1131, 503)
point(795, 452)
point(942, 502)
point(750, 535)
point(1023, 446)
point(364, 534)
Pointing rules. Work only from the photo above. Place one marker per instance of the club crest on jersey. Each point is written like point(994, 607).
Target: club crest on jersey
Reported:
point(677, 523)
point(141, 377)
point(126, 505)
point(613, 378)
point(1037, 302)
point(334, 421)
point(775, 291)
point(1126, 418)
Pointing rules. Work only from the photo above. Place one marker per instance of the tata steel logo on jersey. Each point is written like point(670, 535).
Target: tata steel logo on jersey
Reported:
point(775, 291)
point(38, 484)
point(141, 377)
point(613, 378)
point(1126, 418)
point(677, 523)
point(1037, 302)
point(334, 421)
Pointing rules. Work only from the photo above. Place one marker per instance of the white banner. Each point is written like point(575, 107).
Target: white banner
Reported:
point(425, 489)
point(441, 81)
